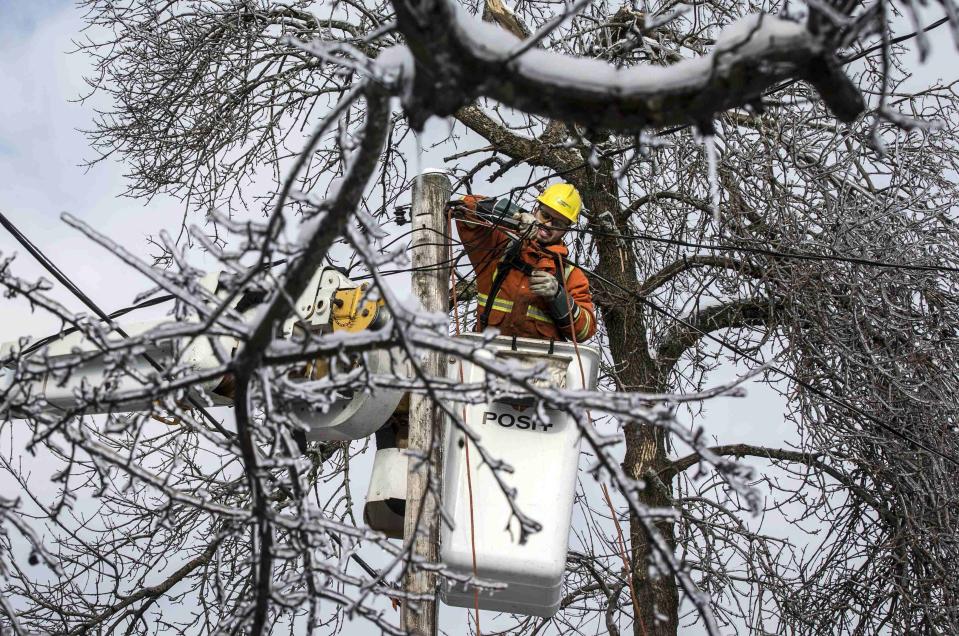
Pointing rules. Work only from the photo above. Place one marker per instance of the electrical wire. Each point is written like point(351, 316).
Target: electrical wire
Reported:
point(807, 256)
point(809, 387)
point(55, 271)
point(39, 344)
point(116, 314)
point(774, 253)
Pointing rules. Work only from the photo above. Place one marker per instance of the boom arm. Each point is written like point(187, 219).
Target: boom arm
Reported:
point(64, 374)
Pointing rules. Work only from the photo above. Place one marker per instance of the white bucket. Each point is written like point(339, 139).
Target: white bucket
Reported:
point(544, 455)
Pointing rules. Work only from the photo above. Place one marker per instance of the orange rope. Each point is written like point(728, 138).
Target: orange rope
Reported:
point(622, 554)
point(469, 472)
point(609, 502)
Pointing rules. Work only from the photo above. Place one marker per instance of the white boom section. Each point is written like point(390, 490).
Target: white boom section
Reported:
point(71, 369)
point(70, 382)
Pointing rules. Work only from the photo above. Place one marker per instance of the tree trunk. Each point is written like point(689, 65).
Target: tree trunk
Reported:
point(657, 592)
point(646, 452)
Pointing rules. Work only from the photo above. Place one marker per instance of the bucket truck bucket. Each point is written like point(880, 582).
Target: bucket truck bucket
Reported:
point(544, 455)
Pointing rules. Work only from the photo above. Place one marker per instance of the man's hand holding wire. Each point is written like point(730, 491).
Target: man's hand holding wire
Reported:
point(543, 284)
point(459, 208)
point(525, 222)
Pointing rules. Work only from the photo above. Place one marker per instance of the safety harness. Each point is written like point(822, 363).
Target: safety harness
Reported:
point(511, 260)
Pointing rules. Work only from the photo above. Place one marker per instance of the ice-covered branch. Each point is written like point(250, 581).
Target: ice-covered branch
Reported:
point(317, 238)
point(731, 315)
point(458, 58)
point(812, 460)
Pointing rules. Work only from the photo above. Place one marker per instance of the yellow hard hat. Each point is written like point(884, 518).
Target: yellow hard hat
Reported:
point(564, 199)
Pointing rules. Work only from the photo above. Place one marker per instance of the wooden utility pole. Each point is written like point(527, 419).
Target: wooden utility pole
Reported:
point(431, 191)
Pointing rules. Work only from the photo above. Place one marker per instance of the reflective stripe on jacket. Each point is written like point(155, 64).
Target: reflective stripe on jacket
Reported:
point(516, 311)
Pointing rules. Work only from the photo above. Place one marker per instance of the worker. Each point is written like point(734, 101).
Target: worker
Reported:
point(525, 288)
point(525, 285)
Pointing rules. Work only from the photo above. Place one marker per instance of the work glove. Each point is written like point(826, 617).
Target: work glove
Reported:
point(543, 284)
point(524, 222)
point(464, 206)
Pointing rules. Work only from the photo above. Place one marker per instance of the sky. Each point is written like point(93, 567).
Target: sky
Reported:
point(42, 152)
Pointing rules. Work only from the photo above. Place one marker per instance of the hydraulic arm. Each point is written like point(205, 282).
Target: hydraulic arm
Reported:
point(74, 371)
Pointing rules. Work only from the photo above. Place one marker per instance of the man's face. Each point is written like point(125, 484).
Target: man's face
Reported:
point(552, 225)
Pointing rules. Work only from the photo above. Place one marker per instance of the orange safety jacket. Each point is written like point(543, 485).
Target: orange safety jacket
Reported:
point(516, 311)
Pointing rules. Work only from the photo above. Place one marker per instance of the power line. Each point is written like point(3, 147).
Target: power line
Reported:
point(39, 344)
point(116, 314)
point(806, 256)
point(55, 271)
point(783, 372)
point(770, 252)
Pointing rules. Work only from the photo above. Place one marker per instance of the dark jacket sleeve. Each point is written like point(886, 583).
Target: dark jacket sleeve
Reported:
point(572, 308)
